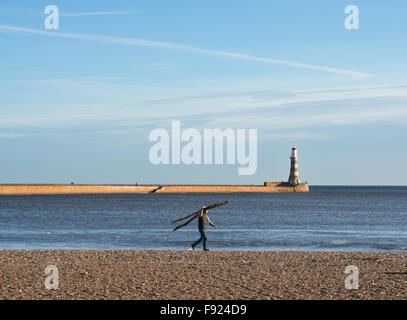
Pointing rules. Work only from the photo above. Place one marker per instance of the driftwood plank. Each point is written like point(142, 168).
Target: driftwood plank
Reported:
point(186, 223)
point(196, 214)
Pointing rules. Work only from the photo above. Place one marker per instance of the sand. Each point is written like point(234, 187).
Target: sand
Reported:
point(133, 274)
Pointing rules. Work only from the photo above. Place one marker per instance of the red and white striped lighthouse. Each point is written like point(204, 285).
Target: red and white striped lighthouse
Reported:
point(294, 178)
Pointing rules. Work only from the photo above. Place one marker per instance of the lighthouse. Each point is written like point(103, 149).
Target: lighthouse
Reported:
point(294, 178)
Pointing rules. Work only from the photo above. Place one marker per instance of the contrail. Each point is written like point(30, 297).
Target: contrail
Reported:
point(174, 46)
point(96, 13)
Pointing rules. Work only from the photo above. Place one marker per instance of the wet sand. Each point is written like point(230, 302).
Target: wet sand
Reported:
point(132, 274)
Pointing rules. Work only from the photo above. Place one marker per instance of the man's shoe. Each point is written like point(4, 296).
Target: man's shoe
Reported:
point(206, 249)
point(192, 248)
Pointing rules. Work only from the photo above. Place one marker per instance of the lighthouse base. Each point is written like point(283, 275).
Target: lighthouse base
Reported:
point(287, 187)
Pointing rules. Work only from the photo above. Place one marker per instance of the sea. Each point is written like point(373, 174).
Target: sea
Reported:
point(328, 218)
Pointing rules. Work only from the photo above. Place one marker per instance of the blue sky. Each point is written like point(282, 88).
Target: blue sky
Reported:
point(77, 104)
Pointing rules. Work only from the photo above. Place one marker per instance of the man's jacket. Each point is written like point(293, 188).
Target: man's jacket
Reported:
point(204, 220)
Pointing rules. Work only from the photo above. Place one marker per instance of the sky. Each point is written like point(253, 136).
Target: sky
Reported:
point(77, 104)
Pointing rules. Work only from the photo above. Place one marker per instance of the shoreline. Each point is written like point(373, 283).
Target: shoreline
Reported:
point(319, 251)
point(180, 274)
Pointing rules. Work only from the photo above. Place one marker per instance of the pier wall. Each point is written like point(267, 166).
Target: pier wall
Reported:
point(144, 189)
point(277, 187)
point(72, 189)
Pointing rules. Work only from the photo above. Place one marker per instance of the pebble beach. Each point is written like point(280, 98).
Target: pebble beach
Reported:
point(155, 274)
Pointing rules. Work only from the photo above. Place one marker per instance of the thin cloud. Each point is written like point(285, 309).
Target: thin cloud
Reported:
point(294, 136)
point(306, 114)
point(174, 46)
point(105, 13)
point(10, 135)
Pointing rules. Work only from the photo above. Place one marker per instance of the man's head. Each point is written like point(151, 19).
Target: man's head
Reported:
point(205, 210)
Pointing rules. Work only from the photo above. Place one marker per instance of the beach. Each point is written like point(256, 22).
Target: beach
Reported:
point(167, 274)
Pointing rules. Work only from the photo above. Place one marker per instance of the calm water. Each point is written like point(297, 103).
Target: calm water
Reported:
point(327, 218)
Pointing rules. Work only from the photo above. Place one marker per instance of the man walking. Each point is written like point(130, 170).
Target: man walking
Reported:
point(203, 221)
